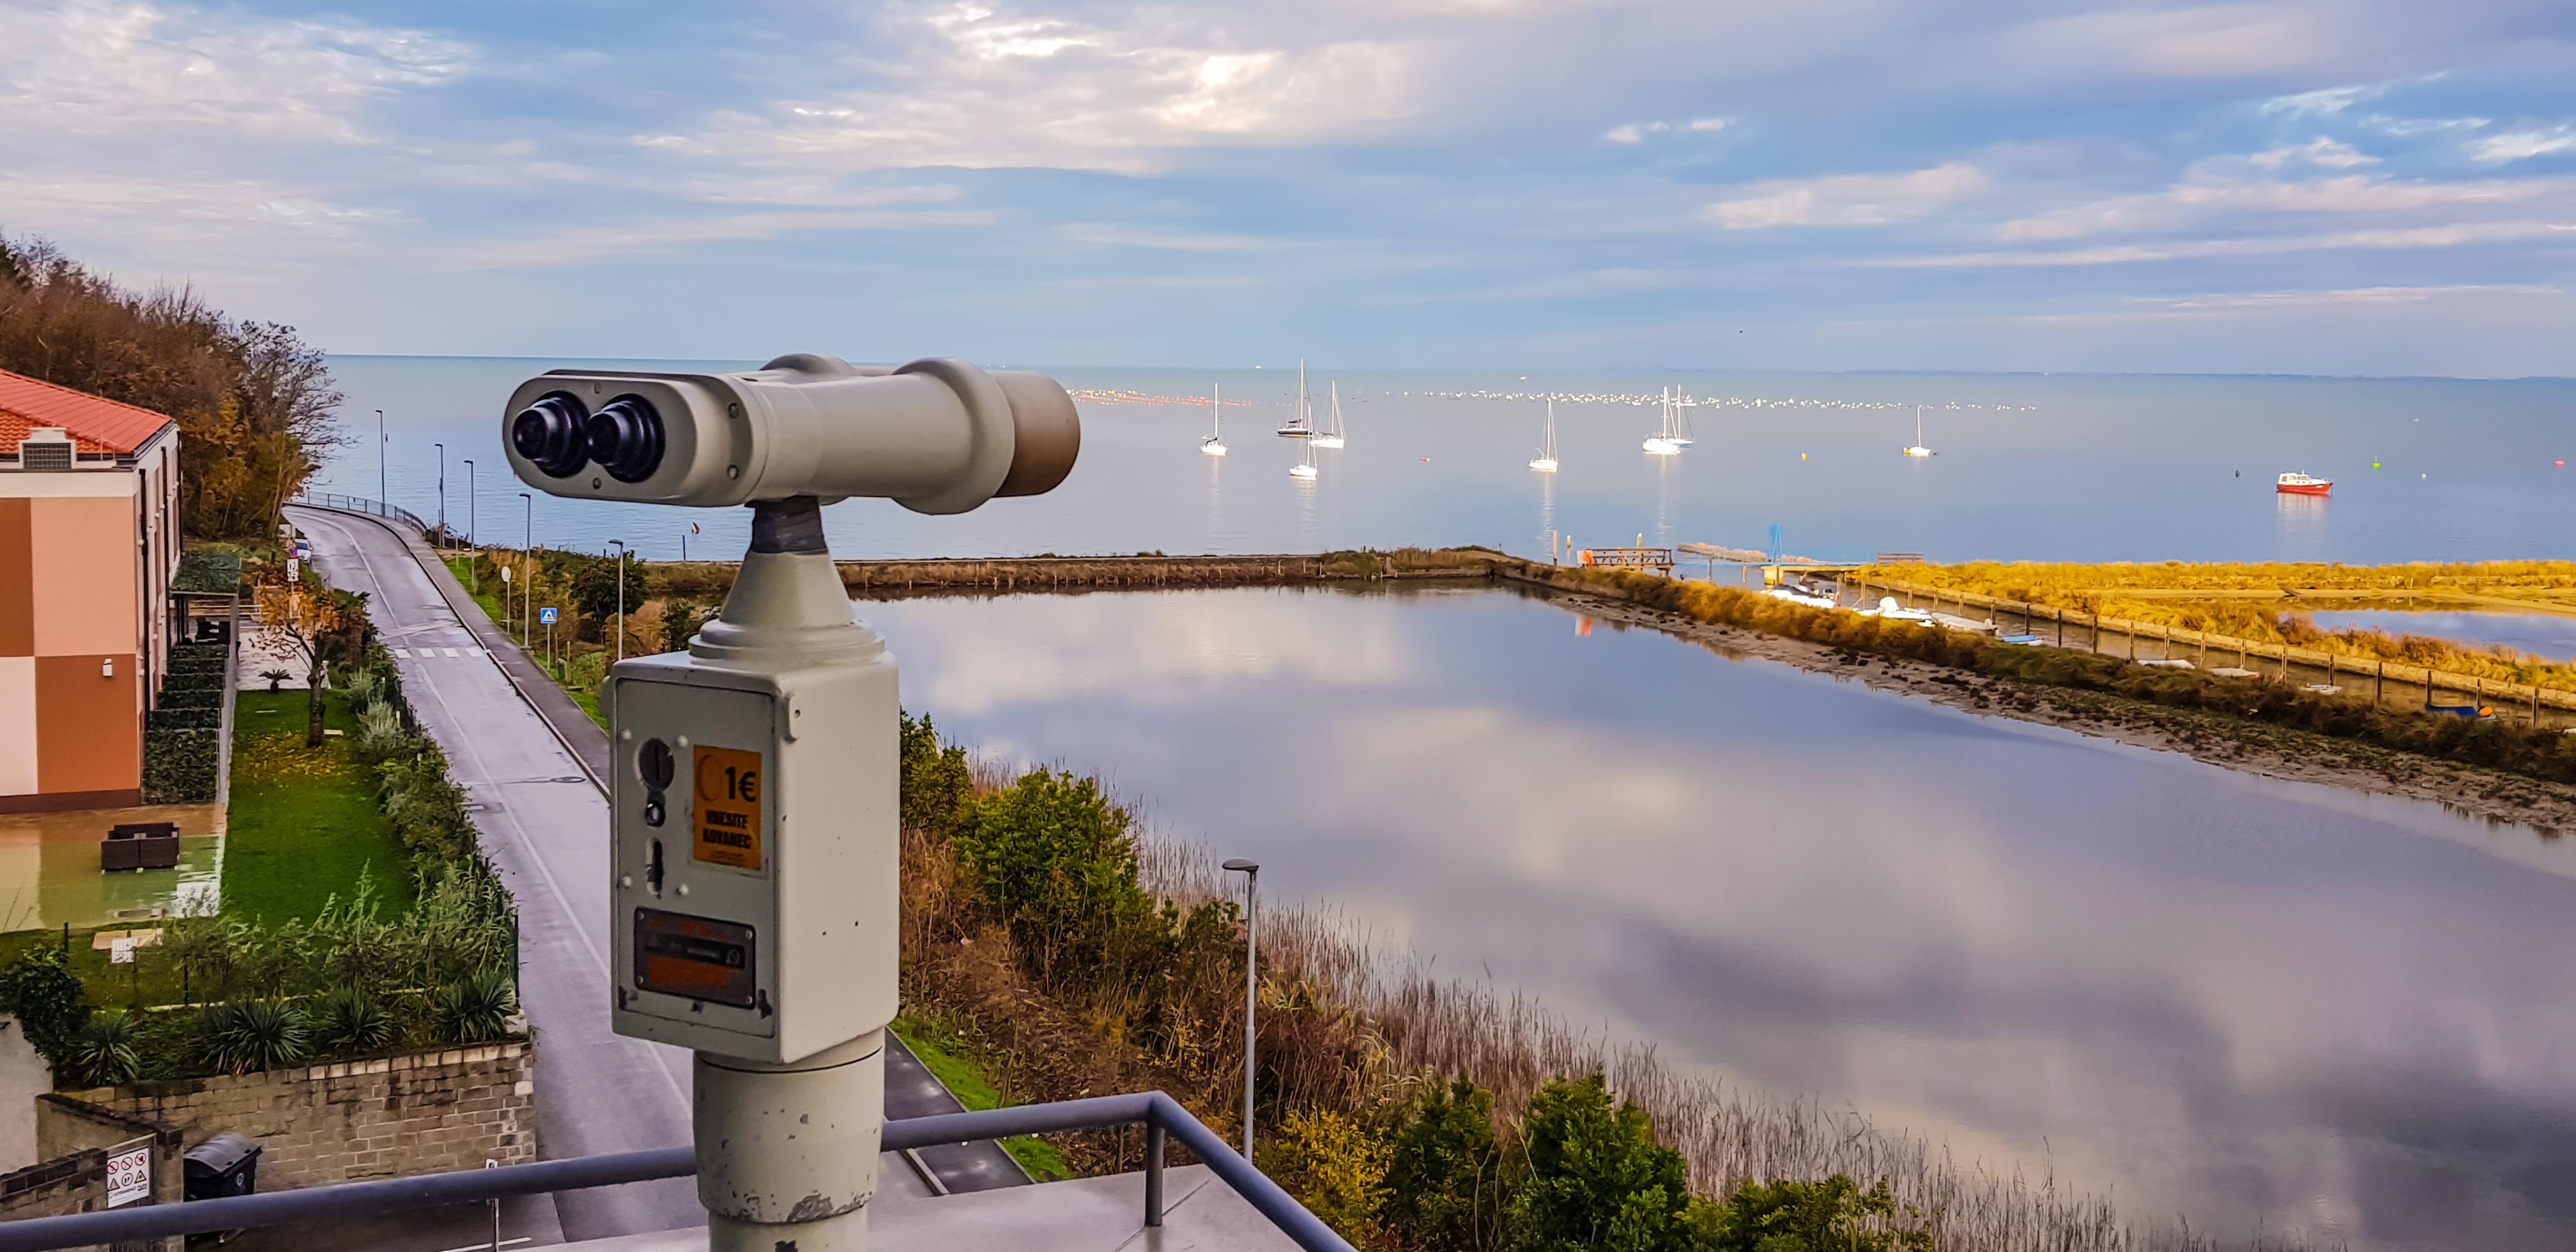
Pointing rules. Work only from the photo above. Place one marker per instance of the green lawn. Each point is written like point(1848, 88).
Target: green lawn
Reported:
point(945, 1056)
point(586, 697)
point(303, 821)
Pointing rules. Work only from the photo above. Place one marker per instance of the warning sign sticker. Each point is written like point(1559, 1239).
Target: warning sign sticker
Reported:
point(726, 795)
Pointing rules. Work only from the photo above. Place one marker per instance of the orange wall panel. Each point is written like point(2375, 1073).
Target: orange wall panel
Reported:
point(89, 727)
point(82, 551)
point(17, 580)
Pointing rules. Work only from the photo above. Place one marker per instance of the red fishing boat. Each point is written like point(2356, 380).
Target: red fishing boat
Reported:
point(2304, 485)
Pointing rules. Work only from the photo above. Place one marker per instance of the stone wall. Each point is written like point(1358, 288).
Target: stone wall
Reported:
point(421, 1113)
point(73, 1176)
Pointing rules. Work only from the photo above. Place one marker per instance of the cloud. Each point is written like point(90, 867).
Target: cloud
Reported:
point(2522, 145)
point(2324, 102)
point(2208, 198)
point(1848, 199)
point(1636, 132)
point(89, 68)
point(2417, 237)
point(2326, 152)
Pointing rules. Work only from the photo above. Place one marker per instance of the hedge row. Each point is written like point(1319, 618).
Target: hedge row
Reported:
point(179, 765)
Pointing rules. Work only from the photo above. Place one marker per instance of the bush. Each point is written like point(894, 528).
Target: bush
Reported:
point(40, 990)
point(937, 787)
point(1834, 1215)
point(1444, 1176)
point(353, 1020)
point(179, 766)
point(1050, 859)
point(104, 1053)
point(680, 620)
point(183, 719)
point(1335, 1166)
point(477, 1008)
point(246, 1035)
point(1597, 1180)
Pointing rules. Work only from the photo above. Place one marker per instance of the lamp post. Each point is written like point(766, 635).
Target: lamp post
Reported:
point(442, 490)
point(1251, 871)
point(381, 490)
point(527, 570)
point(473, 577)
point(621, 597)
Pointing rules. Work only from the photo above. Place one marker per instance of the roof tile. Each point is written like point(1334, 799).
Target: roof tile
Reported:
point(96, 424)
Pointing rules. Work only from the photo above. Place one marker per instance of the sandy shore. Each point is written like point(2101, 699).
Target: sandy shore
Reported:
point(2269, 751)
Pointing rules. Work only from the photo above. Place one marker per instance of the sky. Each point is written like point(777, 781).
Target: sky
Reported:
point(2309, 186)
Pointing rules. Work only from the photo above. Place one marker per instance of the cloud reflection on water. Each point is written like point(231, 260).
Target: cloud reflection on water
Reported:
point(2243, 1001)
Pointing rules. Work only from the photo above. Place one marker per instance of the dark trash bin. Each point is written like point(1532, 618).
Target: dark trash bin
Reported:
point(221, 1167)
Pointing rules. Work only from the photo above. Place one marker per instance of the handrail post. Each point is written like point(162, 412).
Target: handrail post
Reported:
point(1153, 1172)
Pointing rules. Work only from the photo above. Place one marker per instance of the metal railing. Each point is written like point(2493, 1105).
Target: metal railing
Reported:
point(1161, 1115)
point(361, 504)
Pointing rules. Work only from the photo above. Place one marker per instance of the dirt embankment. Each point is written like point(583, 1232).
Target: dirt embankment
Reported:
point(2236, 743)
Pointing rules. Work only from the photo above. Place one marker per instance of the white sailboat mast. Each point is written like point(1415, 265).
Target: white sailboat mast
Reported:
point(1216, 412)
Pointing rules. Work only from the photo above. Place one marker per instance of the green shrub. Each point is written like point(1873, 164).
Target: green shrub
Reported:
point(245, 1035)
point(179, 766)
point(1833, 1215)
point(476, 1008)
point(1445, 1182)
point(1335, 1165)
point(104, 1052)
point(183, 719)
point(352, 1019)
point(40, 990)
point(1050, 858)
point(1597, 1180)
point(937, 787)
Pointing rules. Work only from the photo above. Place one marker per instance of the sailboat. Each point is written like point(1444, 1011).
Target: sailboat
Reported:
point(1331, 435)
point(1918, 449)
point(1681, 436)
point(1665, 441)
point(1304, 469)
point(1214, 444)
point(1301, 424)
point(1545, 462)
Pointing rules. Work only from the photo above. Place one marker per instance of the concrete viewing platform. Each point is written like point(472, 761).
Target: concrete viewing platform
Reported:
point(1200, 1214)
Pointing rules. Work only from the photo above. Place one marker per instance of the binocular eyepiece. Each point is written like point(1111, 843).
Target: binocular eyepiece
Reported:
point(937, 435)
point(560, 436)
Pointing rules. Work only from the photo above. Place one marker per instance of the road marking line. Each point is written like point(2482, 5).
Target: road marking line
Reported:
point(448, 651)
point(480, 1247)
point(402, 654)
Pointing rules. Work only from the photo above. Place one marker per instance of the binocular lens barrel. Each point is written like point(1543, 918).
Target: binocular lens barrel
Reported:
point(625, 438)
point(549, 433)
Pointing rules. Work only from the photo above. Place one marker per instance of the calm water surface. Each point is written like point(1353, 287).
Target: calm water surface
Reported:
point(2254, 1004)
point(2093, 467)
point(2540, 634)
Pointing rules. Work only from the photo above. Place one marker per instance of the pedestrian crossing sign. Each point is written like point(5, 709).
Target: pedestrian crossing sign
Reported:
point(546, 616)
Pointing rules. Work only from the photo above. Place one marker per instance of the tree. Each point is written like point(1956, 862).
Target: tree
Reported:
point(594, 589)
point(1050, 856)
point(1445, 1183)
point(1827, 1216)
point(40, 990)
point(253, 401)
point(680, 620)
point(301, 619)
point(1598, 1181)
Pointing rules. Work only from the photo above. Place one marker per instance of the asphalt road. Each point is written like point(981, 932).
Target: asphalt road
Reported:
point(545, 826)
point(544, 821)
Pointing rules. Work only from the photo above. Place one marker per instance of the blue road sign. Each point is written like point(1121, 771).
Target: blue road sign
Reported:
point(546, 617)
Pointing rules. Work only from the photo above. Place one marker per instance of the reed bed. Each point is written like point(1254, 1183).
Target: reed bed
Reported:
point(1422, 1025)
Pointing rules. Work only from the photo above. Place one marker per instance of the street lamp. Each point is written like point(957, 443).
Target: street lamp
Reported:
point(381, 490)
point(473, 574)
point(527, 570)
point(442, 490)
point(621, 597)
point(1251, 871)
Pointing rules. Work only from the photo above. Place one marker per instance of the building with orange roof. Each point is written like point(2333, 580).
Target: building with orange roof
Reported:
point(89, 544)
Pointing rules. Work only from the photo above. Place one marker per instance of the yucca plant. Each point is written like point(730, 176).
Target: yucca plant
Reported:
point(245, 1035)
point(476, 1008)
point(353, 1019)
point(104, 1052)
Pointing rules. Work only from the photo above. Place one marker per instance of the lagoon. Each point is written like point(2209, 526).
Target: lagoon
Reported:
point(2252, 1004)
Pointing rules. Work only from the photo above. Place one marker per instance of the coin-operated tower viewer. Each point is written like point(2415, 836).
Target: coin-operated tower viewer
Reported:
point(753, 876)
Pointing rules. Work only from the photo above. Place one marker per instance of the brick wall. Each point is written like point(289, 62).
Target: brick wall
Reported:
point(420, 1113)
point(72, 1177)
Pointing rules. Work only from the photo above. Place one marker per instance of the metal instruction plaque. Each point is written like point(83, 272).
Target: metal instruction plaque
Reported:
point(696, 958)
